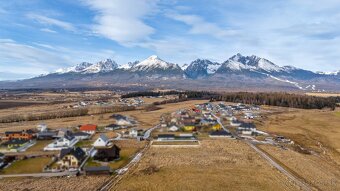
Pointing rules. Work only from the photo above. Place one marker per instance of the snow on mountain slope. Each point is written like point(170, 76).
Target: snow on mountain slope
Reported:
point(129, 65)
point(240, 62)
point(334, 73)
point(88, 68)
point(201, 68)
point(102, 66)
point(154, 63)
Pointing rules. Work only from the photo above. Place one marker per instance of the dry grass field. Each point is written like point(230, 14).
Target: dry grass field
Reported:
point(219, 164)
point(146, 119)
point(315, 130)
point(323, 94)
point(51, 184)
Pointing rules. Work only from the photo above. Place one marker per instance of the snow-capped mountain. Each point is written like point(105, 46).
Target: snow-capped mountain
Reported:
point(236, 72)
point(249, 63)
point(128, 65)
point(201, 68)
point(334, 73)
point(89, 68)
point(154, 64)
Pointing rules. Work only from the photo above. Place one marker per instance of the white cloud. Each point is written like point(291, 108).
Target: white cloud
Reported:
point(41, 58)
point(48, 30)
point(122, 20)
point(200, 26)
point(51, 21)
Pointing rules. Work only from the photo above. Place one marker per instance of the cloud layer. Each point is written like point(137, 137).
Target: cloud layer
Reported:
point(39, 36)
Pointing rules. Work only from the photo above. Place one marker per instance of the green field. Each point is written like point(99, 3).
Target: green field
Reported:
point(32, 165)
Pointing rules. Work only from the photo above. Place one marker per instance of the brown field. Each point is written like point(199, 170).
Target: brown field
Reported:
point(146, 119)
point(215, 165)
point(323, 94)
point(317, 131)
point(51, 184)
point(15, 103)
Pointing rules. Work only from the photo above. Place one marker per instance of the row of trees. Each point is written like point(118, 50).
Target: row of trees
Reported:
point(44, 116)
point(63, 113)
point(149, 93)
point(274, 98)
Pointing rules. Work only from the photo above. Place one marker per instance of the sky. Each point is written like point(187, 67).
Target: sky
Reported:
point(39, 36)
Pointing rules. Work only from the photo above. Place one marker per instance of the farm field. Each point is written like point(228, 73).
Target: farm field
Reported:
point(217, 165)
point(317, 131)
point(146, 119)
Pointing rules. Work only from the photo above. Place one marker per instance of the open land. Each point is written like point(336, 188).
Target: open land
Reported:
point(215, 164)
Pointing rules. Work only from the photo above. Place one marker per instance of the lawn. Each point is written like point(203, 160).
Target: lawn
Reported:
point(126, 155)
point(84, 143)
point(39, 146)
point(31, 165)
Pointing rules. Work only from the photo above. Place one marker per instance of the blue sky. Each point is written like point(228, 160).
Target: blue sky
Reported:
point(39, 36)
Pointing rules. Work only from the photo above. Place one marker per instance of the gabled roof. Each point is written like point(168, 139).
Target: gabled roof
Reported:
point(88, 127)
point(220, 133)
point(80, 133)
point(166, 136)
point(15, 141)
point(76, 152)
point(104, 138)
point(69, 137)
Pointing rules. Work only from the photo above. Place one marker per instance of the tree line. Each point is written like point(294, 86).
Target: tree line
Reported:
point(64, 113)
point(271, 98)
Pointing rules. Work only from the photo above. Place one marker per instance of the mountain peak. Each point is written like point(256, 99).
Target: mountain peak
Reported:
point(153, 57)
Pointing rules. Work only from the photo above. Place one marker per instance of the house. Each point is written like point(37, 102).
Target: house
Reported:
point(133, 133)
point(71, 158)
point(97, 170)
point(235, 123)
point(173, 128)
point(107, 154)
point(67, 141)
point(102, 141)
point(2, 160)
point(122, 121)
point(47, 135)
point(16, 143)
point(88, 128)
point(24, 134)
point(216, 127)
point(113, 126)
point(189, 127)
point(165, 137)
point(80, 135)
point(220, 134)
point(246, 129)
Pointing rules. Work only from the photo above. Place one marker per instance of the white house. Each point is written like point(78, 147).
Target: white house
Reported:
point(102, 141)
point(173, 128)
point(67, 141)
point(133, 133)
point(123, 122)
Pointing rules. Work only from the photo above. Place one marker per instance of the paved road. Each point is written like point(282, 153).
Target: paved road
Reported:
point(148, 132)
point(53, 174)
point(219, 122)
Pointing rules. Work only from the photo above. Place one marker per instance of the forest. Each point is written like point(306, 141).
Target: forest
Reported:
point(273, 99)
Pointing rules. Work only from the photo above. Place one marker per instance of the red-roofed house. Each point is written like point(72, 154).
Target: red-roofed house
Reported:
point(88, 128)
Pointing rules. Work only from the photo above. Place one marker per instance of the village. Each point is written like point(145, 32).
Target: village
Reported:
point(88, 149)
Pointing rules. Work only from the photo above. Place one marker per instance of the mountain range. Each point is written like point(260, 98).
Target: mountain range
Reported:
point(236, 73)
